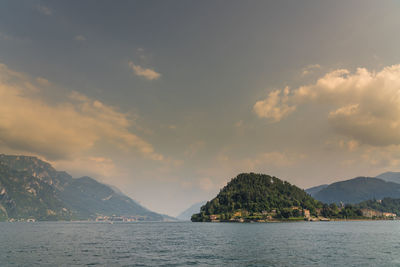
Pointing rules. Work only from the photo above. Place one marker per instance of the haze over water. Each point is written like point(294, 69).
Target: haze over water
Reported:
point(356, 243)
point(169, 100)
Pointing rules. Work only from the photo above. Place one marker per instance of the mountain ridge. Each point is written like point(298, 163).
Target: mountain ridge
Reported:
point(187, 214)
point(357, 190)
point(390, 176)
point(315, 189)
point(24, 179)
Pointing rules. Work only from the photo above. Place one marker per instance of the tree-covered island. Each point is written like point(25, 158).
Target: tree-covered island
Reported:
point(254, 197)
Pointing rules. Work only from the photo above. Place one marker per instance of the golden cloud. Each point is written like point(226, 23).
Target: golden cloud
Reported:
point(60, 130)
point(146, 73)
point(275, 106)
point(366, 103)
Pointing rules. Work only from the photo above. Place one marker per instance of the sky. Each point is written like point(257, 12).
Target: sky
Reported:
point(169, 100)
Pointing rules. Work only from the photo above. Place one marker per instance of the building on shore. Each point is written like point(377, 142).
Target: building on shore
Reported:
point(373, 213)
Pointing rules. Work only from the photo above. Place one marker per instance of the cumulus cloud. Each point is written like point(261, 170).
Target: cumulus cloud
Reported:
point(64, 129)
point(310, 69)
point(366, 104)
point(146, 73)
point(275, 106)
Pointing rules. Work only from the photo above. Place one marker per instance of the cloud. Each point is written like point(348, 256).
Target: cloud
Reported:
point(100, 167)
point(350, 145)
point(365, 104)
point(275, 106)
point(80, 38)
point(61, 130)
point(42, 81)
point(148, 74)
point(310, 69)
point(45, 10)
point(387, 158)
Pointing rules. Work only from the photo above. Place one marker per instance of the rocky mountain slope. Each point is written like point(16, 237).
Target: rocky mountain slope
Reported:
point(32, 188)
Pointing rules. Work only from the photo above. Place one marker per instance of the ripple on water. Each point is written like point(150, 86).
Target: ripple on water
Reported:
point(185, 243)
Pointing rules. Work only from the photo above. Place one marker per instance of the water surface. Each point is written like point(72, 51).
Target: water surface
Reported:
point(367, 243)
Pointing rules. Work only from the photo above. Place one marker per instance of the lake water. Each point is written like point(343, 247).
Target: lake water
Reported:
point(368, 243)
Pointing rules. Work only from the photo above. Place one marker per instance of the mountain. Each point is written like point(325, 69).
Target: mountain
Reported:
point(87, 198)
point(32, 188)
point(187, 214)
point(390, 177)
point(251, 195)
point(25, 196)
point(313, 190)
point(357, 190)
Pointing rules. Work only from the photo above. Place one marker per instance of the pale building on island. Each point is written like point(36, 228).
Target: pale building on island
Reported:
point(306, 213)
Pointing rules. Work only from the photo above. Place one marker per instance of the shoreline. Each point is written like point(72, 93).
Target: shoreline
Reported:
point(310, 221)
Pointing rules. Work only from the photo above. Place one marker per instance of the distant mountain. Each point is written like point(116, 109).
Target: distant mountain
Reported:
point(314, 190)
point(357, 190)
point(390, 177)
point(187, 214)
point(32, 188)
point(251, 196)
